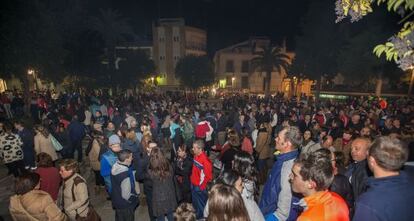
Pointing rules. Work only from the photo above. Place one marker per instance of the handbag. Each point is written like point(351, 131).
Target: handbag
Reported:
point(55, 143)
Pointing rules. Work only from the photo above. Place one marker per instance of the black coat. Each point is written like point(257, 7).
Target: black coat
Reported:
point(182, 172)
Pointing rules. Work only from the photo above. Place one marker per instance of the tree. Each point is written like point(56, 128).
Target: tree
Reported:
point(195, 71)
point(355, 60)
point(132, 68)
point(111, 28)
point(269, 59)
point(318, 46)
point(399, 48)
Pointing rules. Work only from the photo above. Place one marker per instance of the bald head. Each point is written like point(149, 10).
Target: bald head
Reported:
point(359, 148)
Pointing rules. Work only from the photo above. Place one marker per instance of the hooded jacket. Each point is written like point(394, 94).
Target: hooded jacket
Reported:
point(123, 193)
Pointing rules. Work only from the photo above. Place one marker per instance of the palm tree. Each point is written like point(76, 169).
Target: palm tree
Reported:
point(111, 28)
point(269, 59)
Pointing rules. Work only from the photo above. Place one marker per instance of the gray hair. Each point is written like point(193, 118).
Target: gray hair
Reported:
point(293, 135)
point(389, 153)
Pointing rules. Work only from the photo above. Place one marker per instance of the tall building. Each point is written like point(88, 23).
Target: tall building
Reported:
point(233, 67)
point(172, 40)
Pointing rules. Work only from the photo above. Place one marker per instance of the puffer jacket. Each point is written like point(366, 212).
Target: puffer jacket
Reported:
point(36, 205)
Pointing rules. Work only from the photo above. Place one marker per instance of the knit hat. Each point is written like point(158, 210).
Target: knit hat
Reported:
point(114, 139)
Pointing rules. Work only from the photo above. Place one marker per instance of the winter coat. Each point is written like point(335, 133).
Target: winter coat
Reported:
point(123, 193)
point(78, 203)
point(94, 157)
point(108, 159)
point(358, 174)
point(277, 195)
point(387, 199)
point(27, 137)
point(44, 145)
point(263, 144)
point(163, 195)
point(182, 170)
point(35, 205)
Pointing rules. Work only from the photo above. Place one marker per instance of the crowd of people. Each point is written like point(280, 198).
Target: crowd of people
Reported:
point(238, 158)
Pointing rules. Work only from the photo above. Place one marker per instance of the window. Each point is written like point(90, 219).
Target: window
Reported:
point(176, 38)
point(245, 82)
point(228, 81)
point(245, 66)
point(229, 66)
point(162, 57)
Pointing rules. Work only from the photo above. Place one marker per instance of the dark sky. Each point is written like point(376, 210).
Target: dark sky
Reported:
point(226, 21)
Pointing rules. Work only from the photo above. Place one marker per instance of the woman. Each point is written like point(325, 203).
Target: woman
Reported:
point(50, 178)
point(164, 201)
point(75, 191)
point(142, 172)
point(228, 156)
point(182, 170)
point(11, 150)
point(263, 150)
point(43, 142)
point(244, 165)
point(233, 179)
point(226, 204)
point(30, 203)
point(98, 148)
point(307, 142)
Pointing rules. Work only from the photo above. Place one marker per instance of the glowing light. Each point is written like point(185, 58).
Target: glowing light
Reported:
point(30, 72)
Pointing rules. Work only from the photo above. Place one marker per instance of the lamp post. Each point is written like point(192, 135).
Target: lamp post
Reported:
point(232, 82)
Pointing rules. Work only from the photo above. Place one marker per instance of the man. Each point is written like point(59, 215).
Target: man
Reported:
point(201, 174)
point(358, 171)
point(108, 159)
point(390, 192)
point(311, 176)
point(276, 202)
point(27, 137)
point(76, 135)
point(124, 197)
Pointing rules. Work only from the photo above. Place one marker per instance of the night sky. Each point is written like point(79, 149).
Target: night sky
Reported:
point(226, 21)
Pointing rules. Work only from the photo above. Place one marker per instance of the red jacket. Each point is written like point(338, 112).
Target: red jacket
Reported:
point(202, 129)
point(324, 206)
point(202, 171)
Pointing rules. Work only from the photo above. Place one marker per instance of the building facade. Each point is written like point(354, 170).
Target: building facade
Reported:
point(234, 72)
point(172, 40)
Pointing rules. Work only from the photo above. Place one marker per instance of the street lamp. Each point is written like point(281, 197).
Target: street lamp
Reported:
point(232, 81)
point(152, 80)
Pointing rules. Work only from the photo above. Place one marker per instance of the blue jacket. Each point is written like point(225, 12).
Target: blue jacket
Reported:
point(123, 194)
point(76, 131)
point(277, 196)
point(108, 159)
point(387, 199)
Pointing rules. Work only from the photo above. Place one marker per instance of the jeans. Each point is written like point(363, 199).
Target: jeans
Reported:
point(169, 216)
point(199, 200)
